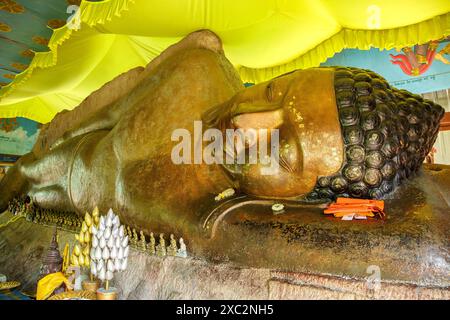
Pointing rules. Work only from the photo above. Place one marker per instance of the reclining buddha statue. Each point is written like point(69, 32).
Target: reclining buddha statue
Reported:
point(343, 132)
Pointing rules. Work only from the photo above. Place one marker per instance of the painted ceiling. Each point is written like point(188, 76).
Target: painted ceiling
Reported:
point(25, 28)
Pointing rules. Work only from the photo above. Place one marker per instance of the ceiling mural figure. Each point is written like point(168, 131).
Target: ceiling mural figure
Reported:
point(418, 59)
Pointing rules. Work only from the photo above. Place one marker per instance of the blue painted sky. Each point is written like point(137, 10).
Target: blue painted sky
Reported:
point(437, 77)
point(20, 140)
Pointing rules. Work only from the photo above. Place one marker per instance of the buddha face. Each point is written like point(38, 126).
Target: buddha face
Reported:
point(301, 106)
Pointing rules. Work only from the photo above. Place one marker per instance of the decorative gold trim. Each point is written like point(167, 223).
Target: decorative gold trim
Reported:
point(81, 294)
point(9, 285)
point(103, 294)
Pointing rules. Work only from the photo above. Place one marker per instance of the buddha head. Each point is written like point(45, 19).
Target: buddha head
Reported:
point(295, 116)
point(340, 132)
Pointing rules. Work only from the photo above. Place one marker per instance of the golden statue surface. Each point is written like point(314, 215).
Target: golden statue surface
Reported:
point(342, 132)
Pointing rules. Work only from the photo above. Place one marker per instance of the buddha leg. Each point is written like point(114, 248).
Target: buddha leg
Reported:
point(50, 169)
point(43, 179)
point(50, 197)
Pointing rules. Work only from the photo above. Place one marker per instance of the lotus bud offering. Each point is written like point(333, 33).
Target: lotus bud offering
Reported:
point(76, 250)
point(84, 227)
point(81, 237)
point(82, 252)
point(88, 219)
point(87, 237)
point(111, 252)
point(102, 242)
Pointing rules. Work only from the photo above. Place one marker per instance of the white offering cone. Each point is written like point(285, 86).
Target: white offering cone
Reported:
point(110, 266)
point(113, 253)
point(116, 221)
point(125, 241)
point(108, 221)
point(92, 254)
point(110, 214)
point(102, 243)
point(100, 266)
point(102, 222)
point(105, 253)
point(110, 242)
point(107, 233)
point(120, 253)
point(94, 242)
point(117, 264)
point(98, 254)
point(102, 274)
point(124, 264)
point(109, 275)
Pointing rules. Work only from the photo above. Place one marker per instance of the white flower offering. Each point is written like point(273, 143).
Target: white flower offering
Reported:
point(109, 252)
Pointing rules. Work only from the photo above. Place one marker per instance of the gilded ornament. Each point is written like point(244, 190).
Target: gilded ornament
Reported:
point(4, 27)
point(11, 6)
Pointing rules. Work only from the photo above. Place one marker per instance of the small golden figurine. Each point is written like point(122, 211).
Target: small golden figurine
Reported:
point(142, 243)
point(151, 247)
point(134, 239)
point(172, 248)
point(129, 233)
point(161, 247)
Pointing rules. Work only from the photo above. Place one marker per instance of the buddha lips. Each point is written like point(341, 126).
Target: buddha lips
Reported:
point(358, 207)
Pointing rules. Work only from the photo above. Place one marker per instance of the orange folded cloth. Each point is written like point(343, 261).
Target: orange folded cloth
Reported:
point(378, 203)
point(360, 207)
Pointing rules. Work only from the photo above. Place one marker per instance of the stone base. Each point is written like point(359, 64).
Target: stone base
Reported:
point(23, 244)
point(174, 278)
point(300, 254)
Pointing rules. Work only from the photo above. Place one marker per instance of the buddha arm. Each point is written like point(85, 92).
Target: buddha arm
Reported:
point(105, 119)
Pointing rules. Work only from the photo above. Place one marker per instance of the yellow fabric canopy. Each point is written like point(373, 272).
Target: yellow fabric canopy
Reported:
point(262, 38)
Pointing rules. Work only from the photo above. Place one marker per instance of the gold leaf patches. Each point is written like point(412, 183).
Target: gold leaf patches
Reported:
point(27, 53)
point(19, 66)
point(11, 6)
point(9, 76)
point(56, 23)
point(74, 2)
point(40, 40)
point(4, 27)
